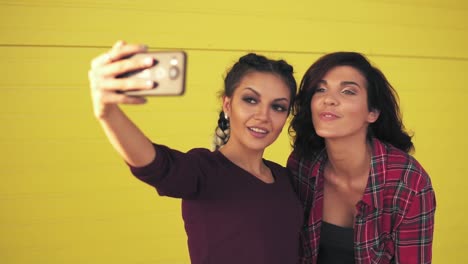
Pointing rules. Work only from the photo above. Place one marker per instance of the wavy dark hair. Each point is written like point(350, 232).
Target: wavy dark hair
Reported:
point(247, 64)
point(381, 96)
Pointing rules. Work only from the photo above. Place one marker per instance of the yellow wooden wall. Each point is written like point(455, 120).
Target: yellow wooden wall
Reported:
point(66, 197)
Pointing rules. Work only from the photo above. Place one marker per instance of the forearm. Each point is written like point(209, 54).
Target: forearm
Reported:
point(414, 235)
point(108, 92)
point(126, 138)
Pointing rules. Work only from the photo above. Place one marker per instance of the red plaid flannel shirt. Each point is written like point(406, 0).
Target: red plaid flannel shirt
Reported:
point(395, 218)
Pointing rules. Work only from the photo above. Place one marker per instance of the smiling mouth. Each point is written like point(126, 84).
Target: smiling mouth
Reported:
point(258, 130)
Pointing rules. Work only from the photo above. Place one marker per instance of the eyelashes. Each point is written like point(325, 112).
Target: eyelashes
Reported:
point(275, 106)
point(319, 90)
point(279, 108)
point(249, 100)
point(344, 91)
point(349, 92)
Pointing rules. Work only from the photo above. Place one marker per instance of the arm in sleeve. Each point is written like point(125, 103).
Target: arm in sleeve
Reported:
point(172, 172)
point(294, 166)
point(414, 234)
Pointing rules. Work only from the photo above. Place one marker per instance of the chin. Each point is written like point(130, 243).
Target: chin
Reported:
point(258, 146)
point(327, 134)
point(324, 133)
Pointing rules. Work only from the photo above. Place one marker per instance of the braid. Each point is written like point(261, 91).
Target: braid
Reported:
point(222, 131)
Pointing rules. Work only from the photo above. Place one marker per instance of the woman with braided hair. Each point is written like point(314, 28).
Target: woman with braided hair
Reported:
point(237, 206)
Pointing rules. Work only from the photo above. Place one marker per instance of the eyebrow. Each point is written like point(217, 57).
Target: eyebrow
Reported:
point(343, 83)
point(259, 95)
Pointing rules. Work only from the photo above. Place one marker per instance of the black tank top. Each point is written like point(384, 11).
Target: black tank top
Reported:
point(336, 244)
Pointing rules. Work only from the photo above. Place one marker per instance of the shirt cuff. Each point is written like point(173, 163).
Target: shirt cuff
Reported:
point(150, 168)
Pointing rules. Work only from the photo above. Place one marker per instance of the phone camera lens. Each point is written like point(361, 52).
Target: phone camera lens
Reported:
point(173, 72)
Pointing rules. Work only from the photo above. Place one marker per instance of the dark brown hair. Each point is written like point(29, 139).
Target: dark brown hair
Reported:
point(381, 97)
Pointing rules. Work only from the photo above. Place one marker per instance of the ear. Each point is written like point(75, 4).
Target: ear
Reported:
point(373, 116)
point(227, 105)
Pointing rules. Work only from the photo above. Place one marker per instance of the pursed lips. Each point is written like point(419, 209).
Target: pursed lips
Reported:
point(328, 116)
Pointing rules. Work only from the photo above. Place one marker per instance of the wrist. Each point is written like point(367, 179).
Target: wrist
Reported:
point(104, 112)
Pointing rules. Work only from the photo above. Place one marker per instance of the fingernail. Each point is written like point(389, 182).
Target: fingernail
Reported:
point(119, 44)
point(150, 84)
point(144, 47)
point(148, 61)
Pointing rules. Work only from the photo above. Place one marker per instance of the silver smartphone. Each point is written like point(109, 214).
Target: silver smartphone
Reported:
point(169, 72)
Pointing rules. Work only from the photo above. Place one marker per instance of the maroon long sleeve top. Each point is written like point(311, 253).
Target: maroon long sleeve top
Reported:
point(230, 215)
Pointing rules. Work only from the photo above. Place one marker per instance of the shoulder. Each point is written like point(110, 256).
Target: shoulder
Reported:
point(194, 156)
point(205, 156)
point(194, 152)
point(305, 165)
point(401, 167)
point(275, 166)
point(202, 152)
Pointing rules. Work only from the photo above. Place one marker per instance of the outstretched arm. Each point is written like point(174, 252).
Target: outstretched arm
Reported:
point(106, 92)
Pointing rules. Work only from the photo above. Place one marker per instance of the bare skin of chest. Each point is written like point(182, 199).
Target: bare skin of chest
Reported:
point(340, 199)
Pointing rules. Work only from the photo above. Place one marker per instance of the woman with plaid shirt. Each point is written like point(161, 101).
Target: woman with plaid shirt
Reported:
point(366, 199)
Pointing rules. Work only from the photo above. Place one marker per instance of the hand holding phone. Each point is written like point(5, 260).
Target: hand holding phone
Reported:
point(168, 72)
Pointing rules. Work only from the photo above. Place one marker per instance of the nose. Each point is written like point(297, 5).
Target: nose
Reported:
point(261, 113)
point(330, 99)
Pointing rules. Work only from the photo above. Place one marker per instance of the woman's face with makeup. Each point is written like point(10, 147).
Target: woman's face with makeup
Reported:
point(257, 110)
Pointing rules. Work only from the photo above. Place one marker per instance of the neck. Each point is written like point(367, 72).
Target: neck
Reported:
point(249, 160)
point(348, 158)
